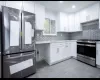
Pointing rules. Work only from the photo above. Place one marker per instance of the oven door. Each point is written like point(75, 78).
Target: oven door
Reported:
point(90, 50)
point(80, 48)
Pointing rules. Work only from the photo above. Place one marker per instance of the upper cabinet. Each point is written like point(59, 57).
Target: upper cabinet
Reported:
point(28, 6)
point(62, 20)
point(40, 16)
point(71, 22)
point(90, 13)
point(93, 12)
point(77, 22)
point(14, 4)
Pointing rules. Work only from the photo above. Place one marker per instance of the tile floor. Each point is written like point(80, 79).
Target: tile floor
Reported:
point(67, 69)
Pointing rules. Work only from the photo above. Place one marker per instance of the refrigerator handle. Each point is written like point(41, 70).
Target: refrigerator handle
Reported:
point(20, 32)
point(9, 57)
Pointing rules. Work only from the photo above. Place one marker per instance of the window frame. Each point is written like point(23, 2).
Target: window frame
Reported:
point(50, 34)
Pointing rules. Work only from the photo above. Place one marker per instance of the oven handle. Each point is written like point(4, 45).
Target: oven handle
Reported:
point(90, 45)
point(80, 44)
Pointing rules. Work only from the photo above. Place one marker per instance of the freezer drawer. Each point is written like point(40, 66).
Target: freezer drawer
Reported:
point(19, 65)
point(9, 61)
point(30, 56)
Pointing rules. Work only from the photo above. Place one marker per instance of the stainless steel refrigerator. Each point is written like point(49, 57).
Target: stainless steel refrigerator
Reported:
point(18, 33)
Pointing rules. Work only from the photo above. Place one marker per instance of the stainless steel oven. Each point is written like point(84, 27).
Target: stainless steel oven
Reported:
point(86, 52)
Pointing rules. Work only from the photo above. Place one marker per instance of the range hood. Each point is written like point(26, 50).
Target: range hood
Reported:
point(90, 25)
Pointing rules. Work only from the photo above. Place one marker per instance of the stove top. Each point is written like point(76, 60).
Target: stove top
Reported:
point(87, 40)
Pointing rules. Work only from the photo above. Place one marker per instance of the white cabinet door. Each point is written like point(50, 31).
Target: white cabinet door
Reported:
point(66, 50)
point(28, 6)
point(98, 54)
point(77, 22)
point(83, 15)
point(40, 16)
point(71, 22)
point(54, 52)
point(14, 4)
point(93, 12)
point(73, 49)
point(2, 3)
point(63, 22)
point(90, 13)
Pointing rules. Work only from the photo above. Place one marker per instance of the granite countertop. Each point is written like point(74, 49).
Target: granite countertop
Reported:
point(52, 41)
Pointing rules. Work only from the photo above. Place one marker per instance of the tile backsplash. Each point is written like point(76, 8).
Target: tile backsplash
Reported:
point(59, 36)
point(89, 32)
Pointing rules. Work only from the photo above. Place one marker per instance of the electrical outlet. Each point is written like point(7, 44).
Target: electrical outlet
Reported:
point(61, 34)
point(37, 35)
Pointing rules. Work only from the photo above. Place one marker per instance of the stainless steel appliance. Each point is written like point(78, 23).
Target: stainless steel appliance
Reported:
point(0, 41)
point(18, 33)
point(86, 51)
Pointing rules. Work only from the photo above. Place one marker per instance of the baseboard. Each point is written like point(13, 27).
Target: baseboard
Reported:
point(73, 57)
point(59, 61)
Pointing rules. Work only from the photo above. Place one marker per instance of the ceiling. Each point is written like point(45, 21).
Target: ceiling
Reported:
point(66, 6)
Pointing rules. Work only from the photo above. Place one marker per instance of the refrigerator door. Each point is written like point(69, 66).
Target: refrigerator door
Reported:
point(11, 30)
point(28, 31)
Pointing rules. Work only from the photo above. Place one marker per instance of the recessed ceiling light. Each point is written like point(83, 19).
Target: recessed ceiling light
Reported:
point(73, 6)
point(61, 1)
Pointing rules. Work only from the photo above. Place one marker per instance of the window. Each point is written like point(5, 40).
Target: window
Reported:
point(49, 27)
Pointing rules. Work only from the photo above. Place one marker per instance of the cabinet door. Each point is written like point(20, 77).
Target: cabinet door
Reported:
point(71, 19)
point(66, 53)
point(77, 22)
point(73, 49)
point(54, 52)
point(63, 20)
point(28, 6)
point(40, 16)
point(83, 15)
point(98, 54)
point(14, 4)
point(93, 12)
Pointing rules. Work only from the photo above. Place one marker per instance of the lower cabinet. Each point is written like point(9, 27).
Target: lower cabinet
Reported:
point(73, 49)
point(60, 51)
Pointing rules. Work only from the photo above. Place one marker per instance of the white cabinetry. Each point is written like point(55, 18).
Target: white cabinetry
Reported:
point(90, 13)
point(28, 6)
point(73, 48)
point(77, 22)
point(40, 16)
point(58, 52)
point(98, 54)
point(14, 4)
point(83, 15)
point(71, 22)
point(93, 12)
point(62, 22)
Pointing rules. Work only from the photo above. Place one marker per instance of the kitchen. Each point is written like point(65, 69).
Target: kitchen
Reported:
point(63, 41)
